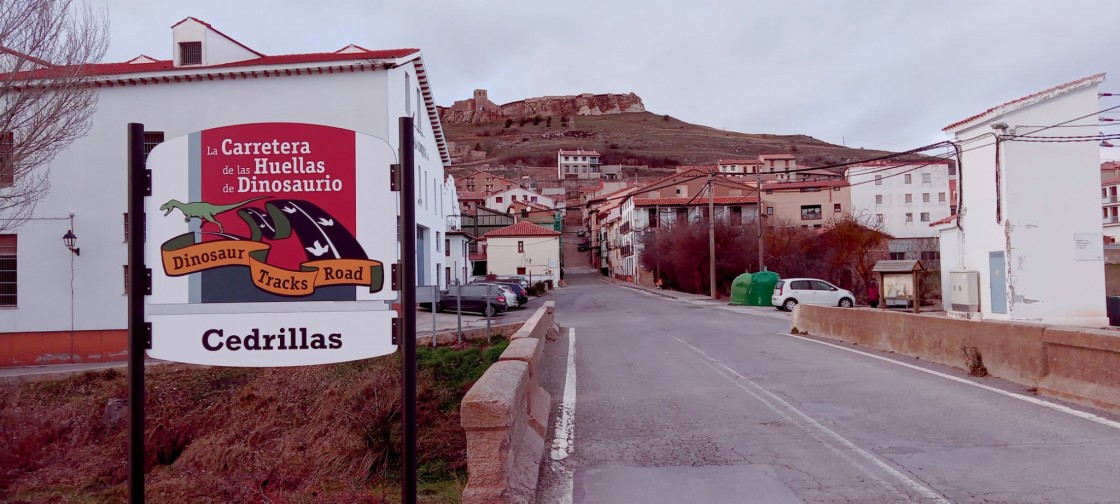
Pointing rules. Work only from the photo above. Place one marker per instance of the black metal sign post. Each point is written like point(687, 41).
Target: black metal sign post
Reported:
point(408, 311)
point(138, 187)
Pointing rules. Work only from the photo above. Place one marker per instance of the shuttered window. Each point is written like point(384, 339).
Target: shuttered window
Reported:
point(190, 53)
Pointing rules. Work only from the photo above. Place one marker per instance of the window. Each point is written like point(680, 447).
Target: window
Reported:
point(878, 180)
point(190, 53)
point(125, 267)
point(931, 255)
point(926, 178)
point(952, 170)
point(7, 161)
point(800, 285)
point(811, 212)
point(878, 199)
point(909, 217)
point(126, 227)
point(817, 226)
point(498, 199)
point(878, 218)
point(520, 247)
point(909, 198)
point(925, 216)
point(940, 196)
point(682, 214)
point(736, 216)
point(521, 270)
point(8, 270)
point(151, 140)
point(447, 247)
point(447, 275)
point(836, 207)
point(438, 241)
point(769, 210)
point(652, 217)
point(906, 179)
point(925, 197)
point(897, 256)
point(533, 199)
point(418, 109)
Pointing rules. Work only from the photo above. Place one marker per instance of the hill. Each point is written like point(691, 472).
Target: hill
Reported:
point(631, 138)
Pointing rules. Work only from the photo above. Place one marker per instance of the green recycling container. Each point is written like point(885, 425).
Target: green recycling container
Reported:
point(740, 289)
point(762, 288)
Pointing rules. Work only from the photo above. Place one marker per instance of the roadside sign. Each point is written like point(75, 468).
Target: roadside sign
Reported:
point(281, 230)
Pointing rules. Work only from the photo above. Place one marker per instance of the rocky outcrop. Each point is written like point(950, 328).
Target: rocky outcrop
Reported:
point(558, 107)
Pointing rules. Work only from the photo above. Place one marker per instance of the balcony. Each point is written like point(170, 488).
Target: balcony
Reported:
point(1109, 199)
point(1110, 220)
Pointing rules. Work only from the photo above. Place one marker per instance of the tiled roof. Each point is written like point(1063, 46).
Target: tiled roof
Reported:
point(472, 195)
point(947, 220)
point(719, 200)
point(699, 168)
point(739, 161)
point(523, 228)
point(777, 156)
point(477, 256)
point(125, 68)
point(810, 183)
point(1030, 99)
point(578, 152)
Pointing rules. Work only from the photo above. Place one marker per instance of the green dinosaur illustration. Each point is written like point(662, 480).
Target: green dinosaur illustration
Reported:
point(202, 210)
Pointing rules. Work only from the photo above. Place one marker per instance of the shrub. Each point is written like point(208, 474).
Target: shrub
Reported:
point(509, 122)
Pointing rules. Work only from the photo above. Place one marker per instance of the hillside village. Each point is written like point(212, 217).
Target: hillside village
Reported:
point(270, 211)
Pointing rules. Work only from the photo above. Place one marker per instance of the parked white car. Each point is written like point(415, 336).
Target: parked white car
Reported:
point(788, 292)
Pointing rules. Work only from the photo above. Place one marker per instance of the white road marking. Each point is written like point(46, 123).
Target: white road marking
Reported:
point(769, 399)
point(562, 441)
point(1033, 400)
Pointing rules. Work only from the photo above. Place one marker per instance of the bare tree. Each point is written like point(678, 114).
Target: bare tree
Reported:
point(47, 102)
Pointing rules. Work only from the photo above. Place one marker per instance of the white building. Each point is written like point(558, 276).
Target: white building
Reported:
point(1028, 228)
point(524, 249)
point(577, 164)
point(211, 80)
point(503, 200)
point(904, 198)
point(1110, 201)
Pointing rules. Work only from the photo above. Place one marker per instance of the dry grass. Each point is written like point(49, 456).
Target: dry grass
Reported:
point(306, 434)
point(640, 138)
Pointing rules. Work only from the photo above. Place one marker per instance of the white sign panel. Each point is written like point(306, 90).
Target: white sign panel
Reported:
point(272, 339)
point(280, 214)
point(1088, 246)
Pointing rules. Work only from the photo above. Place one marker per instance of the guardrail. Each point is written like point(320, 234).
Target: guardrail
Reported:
point(505, 415)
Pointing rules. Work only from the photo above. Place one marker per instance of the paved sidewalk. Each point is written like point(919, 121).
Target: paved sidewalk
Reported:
point(702, 300)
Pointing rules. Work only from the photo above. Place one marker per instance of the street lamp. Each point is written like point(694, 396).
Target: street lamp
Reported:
point(70, 240)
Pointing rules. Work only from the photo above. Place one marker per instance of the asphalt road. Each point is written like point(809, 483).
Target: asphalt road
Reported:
point(676, 402)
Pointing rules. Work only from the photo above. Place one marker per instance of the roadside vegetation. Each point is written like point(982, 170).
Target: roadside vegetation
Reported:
point(306, 434)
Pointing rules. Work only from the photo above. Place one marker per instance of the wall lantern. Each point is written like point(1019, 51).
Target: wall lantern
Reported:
point(71, 240)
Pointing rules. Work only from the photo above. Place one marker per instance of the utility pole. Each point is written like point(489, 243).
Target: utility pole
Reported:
point(761, 209)
point(657, 243)
point(712, 231)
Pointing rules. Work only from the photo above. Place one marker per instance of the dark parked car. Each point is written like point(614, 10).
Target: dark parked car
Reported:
point(582, 247)
point(522, 293)
point(473, 299)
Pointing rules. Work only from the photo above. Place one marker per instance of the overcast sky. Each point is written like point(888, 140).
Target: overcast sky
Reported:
point(885, 74)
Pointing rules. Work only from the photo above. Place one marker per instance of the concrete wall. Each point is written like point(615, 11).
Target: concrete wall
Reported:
point(1078, 365)
point(505, 415)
